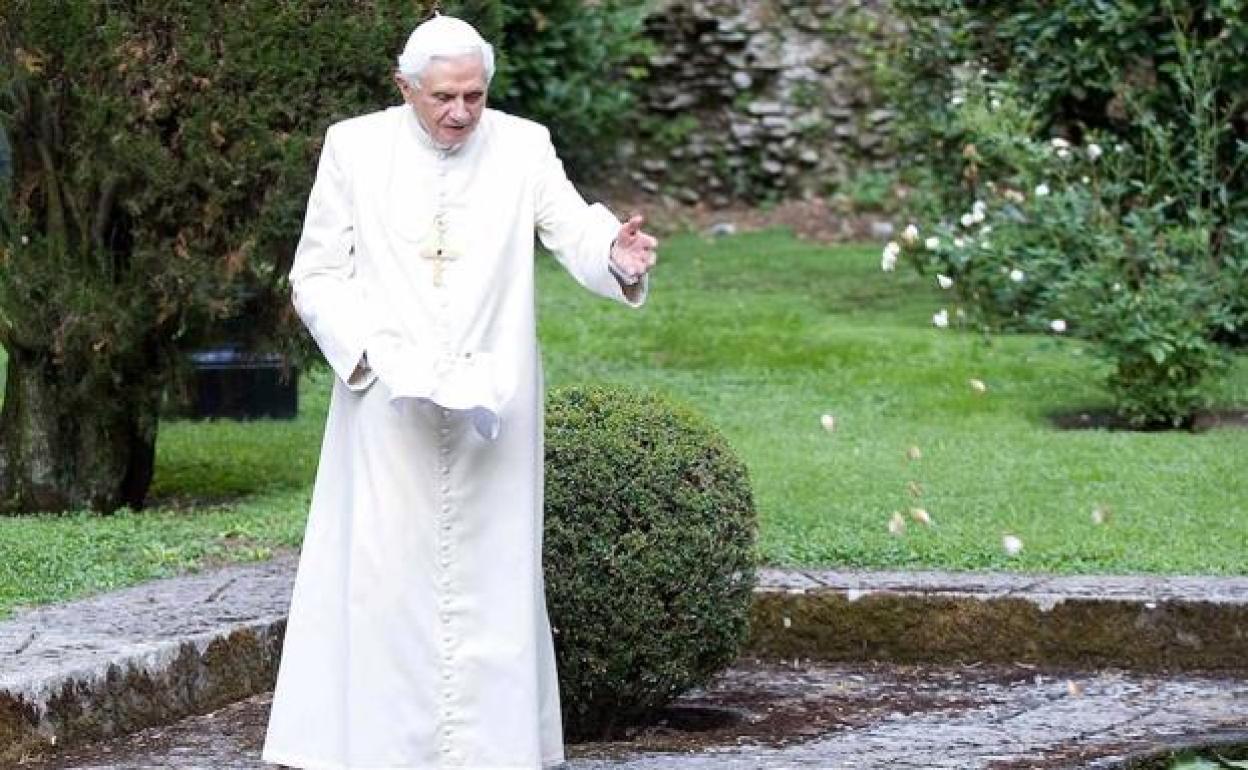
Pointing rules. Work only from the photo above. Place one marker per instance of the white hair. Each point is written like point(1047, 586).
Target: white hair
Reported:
point(443, 37)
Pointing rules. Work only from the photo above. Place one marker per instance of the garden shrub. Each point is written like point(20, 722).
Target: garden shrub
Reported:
point(649, 553)
point(573, 66)
point(1081, 64)
point(1127, 234)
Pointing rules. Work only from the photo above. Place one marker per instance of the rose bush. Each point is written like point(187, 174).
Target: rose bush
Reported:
point(1137, 248)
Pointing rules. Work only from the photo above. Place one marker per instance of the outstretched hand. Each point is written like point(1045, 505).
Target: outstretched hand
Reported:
point(634, 251)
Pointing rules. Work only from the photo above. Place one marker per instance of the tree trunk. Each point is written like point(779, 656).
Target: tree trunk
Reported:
point(68, 443)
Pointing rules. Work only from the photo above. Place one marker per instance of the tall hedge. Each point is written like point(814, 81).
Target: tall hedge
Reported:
point(162, 151)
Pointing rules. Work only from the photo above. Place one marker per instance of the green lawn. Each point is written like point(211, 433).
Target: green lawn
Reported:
point(764, 334)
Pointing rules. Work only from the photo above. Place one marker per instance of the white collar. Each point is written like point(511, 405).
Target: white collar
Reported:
point(424, 137)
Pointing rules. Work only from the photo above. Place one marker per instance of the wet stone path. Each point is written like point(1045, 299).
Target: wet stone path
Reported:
point(768, 715)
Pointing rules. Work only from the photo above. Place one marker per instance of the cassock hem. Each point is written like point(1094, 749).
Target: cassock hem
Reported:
point(290, 760)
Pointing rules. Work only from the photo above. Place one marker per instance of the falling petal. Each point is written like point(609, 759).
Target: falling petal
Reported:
point(828, 422)
point(1058, 325)
point(1100, 514)
point(944, 281)
point(910, 234)
point(914, 453)
point(941, 319)
point(1012, 545)
point(897, 525)
point(921, 516)
point(788, 622)
point(1073, 688)
point(915, 489)
point(978, 385)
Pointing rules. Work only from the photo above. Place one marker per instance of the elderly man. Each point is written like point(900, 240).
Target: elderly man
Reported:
point(418, 635)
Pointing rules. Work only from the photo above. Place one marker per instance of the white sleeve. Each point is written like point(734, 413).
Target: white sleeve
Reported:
point(324, 285)
point(579, 235)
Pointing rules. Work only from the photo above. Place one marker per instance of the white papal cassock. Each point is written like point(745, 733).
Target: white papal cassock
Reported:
point(418, 635)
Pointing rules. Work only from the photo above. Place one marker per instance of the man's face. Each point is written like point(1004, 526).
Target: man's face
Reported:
point(450, 98)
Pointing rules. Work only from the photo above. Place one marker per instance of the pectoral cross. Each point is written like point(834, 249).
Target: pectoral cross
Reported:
point(438, 249)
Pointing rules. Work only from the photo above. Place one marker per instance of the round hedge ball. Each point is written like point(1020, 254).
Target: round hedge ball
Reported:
point(649, 554)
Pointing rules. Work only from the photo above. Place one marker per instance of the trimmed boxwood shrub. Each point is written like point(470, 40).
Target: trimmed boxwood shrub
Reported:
point(649, 554)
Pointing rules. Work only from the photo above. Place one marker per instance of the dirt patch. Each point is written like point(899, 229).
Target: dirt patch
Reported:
point(768, 704)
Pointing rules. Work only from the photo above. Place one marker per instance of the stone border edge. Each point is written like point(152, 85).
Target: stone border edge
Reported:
point(155, 684)
point(911, 627)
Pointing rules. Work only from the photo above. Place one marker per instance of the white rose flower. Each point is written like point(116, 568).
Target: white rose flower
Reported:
point(1017, 276)
point(944, 281)
point(1094, 151)
point(1058, 325)
point(932, 243)
point(977, 216)
point(957, 100)
point(995, 104)
point(968, 220)
point(985, 229)
point(979, 206)
point(25, 241)
point(910, 234)
point(888, 262)
point(959, 242)
point(1063, 154)
point(985, 245)
point(1059, 143)
point(1012, 545)
point(1085, 179)
point(941, 319)
point(1042, 190)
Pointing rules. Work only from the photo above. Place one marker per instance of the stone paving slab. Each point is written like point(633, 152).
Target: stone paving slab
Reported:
point(838, 716)
point(115, 663)
point(1045, 590)
point(146, 655)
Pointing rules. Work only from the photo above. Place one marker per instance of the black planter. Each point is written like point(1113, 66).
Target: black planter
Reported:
point(232, 384)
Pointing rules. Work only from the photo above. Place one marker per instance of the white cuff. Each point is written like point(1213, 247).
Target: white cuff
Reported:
point(625, 277)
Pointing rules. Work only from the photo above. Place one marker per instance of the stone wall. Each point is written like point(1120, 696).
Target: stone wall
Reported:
point(755, 100)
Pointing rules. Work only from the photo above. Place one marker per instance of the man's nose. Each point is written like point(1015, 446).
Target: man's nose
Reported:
point(459, 110)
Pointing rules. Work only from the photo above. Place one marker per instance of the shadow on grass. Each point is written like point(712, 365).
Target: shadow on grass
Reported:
point(1105, 418)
